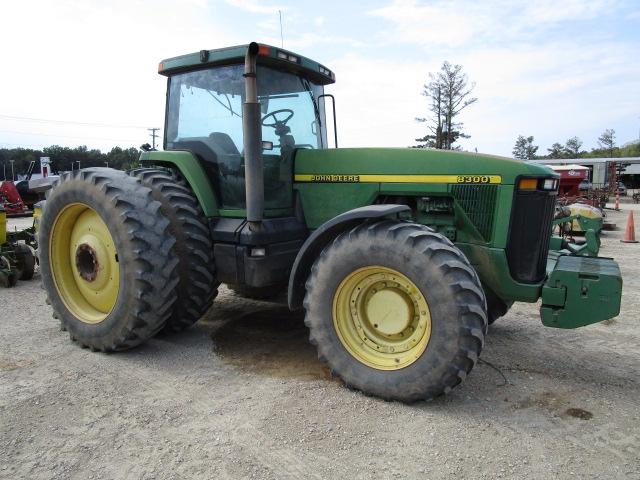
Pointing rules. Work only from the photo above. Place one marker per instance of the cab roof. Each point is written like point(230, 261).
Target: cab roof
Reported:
point(267, 55)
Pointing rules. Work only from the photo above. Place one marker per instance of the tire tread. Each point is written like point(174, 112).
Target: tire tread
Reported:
point(196, 287)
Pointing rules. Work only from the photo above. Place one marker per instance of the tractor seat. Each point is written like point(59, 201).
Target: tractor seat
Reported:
point(224, 143)
point(217, 148)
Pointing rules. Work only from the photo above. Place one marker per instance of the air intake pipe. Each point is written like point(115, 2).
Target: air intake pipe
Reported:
point(252, 131)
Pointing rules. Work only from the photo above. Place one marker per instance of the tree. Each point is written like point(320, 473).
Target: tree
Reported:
point(65, 158)
point(607, 140)
point(631, 150)
point(524, 148)
point(124, 159)
point(449, 93)
point(557, 150)
point(573, 146)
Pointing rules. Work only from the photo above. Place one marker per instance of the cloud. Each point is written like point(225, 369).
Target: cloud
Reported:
point(468, 22)
point(541, 67)
point(377, 100)
point(96, 63)
point(437, 23)
point(551, 91)
point(304, 41)
point(254, 6)
point(553, 11)
point(548, 71)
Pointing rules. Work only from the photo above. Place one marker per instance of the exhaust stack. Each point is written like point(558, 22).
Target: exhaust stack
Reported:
point(252, 132)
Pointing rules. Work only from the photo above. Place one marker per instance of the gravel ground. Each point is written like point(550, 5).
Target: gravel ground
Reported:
point(242, 395)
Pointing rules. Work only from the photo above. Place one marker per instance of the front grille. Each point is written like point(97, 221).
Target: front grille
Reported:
point(529, 234)
point(479, 203)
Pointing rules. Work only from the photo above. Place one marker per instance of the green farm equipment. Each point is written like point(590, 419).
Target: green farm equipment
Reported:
point(17, 260)
point(400, 258)
point(577, 219)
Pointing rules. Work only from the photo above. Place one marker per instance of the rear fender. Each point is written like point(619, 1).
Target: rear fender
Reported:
point(194, 174)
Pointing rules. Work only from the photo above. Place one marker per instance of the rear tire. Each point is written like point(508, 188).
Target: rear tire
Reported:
point(123, 256)
point(410, 265)
point(197, 287)
point(26, 262)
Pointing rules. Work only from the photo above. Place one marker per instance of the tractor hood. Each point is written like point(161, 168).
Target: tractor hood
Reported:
point(405, 165)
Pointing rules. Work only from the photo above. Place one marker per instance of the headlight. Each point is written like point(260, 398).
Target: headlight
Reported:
point(547, 184)
point(528, 184)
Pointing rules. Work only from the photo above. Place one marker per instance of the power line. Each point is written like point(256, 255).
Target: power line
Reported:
point(32, 146)
point(70, 122)
point(77, 137)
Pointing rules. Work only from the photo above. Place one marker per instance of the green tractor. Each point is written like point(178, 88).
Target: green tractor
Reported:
point(400, 258)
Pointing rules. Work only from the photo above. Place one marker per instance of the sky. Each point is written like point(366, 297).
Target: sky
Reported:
point(84, 72)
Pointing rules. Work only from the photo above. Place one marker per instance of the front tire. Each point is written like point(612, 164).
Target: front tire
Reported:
point(106, 259)
point(396, 311)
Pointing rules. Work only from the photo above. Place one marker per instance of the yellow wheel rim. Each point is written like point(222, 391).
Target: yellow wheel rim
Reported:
point(84, 263)
point(381, 318)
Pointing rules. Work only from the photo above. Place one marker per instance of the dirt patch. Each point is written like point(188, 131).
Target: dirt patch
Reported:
point(579, 413)
point(274, 342)
point(8, 366)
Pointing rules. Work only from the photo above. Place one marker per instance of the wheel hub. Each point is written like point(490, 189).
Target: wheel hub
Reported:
point(381, 318)
point(84, 263)
point(389, 311)
point(87, 262)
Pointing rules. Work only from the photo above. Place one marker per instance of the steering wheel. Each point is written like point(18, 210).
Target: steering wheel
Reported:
point(277, 123)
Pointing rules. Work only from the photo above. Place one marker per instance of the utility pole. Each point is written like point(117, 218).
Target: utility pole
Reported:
point(12, 175)
point(153, 135)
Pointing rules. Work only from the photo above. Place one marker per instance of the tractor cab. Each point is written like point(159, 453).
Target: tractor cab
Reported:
point(205, 112)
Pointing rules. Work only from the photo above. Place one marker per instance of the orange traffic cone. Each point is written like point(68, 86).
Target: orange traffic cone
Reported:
point(630, 230)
